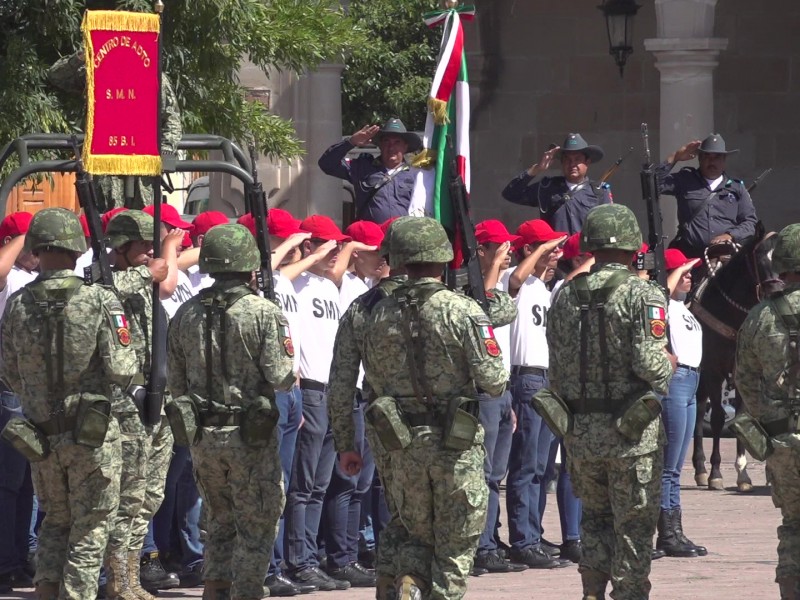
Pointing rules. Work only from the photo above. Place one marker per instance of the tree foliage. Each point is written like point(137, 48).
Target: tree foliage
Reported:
point(390, 74)
point(203, 44)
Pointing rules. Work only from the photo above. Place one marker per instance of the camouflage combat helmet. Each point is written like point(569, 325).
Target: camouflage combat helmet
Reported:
point(55, 228)
point(229, 249)
point(129, 226)
point(786, 256)
point(386, 245)
point(418, 240)
point(611, 227)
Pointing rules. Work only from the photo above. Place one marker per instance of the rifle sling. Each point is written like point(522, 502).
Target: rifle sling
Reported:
point(791, 321)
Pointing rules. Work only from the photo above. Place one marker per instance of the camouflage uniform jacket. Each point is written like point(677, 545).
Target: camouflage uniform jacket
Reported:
point(134, 288)
point(458, 351)
point(502, 308)
point(258, 354)
point(636, 338)
point(95, 352)
point(763, 357)
point(348, 350)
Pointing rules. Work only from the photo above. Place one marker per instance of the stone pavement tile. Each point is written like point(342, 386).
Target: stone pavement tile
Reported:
point(739, 531)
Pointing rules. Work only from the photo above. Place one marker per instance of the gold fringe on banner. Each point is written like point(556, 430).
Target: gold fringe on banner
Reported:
point(115, 164)
point(119, 20)
point(439, 110)
point(425, 159)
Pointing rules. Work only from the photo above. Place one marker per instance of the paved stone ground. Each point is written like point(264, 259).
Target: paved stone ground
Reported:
point(738, 529)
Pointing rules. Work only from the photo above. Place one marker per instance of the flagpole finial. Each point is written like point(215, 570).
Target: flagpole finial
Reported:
point(158, 7)
point(450, 4)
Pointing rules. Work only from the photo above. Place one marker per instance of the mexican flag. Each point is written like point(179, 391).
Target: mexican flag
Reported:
point(447, 127)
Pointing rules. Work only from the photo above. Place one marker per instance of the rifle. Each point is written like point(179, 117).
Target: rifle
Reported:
point(469, 277)
point(613, 168)
point(758, 180)
point(257, 200)
point(654, 224)
point(88, 201)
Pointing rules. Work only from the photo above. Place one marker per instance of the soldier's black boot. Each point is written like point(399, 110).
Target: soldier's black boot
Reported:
point(668, 541)
point(790, 588)
point(594, 584)
point(151, 573)
point(677, 525)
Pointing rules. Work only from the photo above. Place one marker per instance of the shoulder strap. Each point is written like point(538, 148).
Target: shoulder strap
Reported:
point(51, 302)
point(791, 321)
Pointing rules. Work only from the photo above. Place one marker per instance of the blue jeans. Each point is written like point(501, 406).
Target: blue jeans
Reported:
point(290, 405)
point(16, 495)
point(176, 525)
point(344, 499)
point(314, 457)
point(679, 415)
point(569, 507)
point(496, 418)
point(530, 450)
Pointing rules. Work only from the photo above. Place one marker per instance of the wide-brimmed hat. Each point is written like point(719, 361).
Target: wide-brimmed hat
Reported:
point(395, 126)
point(575, 143)
point(715, 144)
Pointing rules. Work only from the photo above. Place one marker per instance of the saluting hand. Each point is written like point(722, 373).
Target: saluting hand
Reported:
point(688, 152)
point(364, 135)
point(158, 269)
point(544, 162)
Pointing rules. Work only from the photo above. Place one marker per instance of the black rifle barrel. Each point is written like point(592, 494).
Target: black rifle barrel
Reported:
point(257, 200)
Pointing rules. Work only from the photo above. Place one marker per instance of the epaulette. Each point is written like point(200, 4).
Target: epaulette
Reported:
point(605, 185)
point(730, 182)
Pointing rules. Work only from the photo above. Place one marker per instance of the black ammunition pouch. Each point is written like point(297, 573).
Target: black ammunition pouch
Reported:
point(754, 437)
point(389, 422)
point(635, 416)
point(184, 419)
point(461, 424)
point(27, 439)
point(92, 420)
point(260, 418)
point(554, 411)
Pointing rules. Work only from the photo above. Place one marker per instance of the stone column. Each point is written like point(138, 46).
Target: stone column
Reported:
point(686, 55)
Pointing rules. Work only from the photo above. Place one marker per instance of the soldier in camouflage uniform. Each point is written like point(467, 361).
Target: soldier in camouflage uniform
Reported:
point(246, 356)
point(623, 358)
point(69, 74)
point(767, 364)
point(146, 450)
point(439, 493)
point(52, 356)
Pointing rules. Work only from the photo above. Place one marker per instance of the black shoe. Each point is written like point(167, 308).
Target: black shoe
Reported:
point(478, 571)
point(192, 577)
point(667, 539)
point(281, 586)
point(16, 579)
point(503, 550)
point(154, 577)
point(552, 550)
point(356, 574)
point(492, 562)
point(318, 578)
point(656, 553)
point(536, 558)
point(677, 526)
point(571, 550)
point(367, 558)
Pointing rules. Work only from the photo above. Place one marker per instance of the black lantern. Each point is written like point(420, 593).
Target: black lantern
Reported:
point(619, 24)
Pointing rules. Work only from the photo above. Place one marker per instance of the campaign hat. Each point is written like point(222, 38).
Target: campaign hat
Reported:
point(715, 144)
point(574, 142)
point(395, 126)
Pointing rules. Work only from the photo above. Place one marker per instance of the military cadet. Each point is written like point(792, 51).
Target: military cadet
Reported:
point(63, 345)
point(244, 355)
point(427, 350)
point(383, 185)
point(146, 450)
point(607, 337)
point(767, 364)
point(712, 207)
point(563, 201)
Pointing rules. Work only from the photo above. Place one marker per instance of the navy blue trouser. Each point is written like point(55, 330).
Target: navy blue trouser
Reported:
point(290, 405)
point(16, 494)
point(530, 450)
point(569, 506)
point(497, 420)
point(314, 457)
point(176, 525)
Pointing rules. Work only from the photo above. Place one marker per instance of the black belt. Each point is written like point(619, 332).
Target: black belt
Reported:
point(422, 420)
point(314, 386)
point(56, 426)
point(523, 370)
point(683, 366)
point(220, 419)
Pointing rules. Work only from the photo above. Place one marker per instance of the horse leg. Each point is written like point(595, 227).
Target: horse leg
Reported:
point(743, 482)
point(698, 455)
point(717, 422)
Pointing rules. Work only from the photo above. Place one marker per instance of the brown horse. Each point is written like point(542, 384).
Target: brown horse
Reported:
point(721, 303)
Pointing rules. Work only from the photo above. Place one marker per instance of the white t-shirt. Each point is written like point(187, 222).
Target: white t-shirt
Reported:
point(352, 287)
point(319, 313)
point(199, 281)
point(685, 334)
point(16, 280)
point(183, 292)
point(503, 334)
point(287, 300)
point(528, 331)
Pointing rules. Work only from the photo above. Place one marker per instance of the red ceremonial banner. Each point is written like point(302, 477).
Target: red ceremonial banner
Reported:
point(122, 76)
